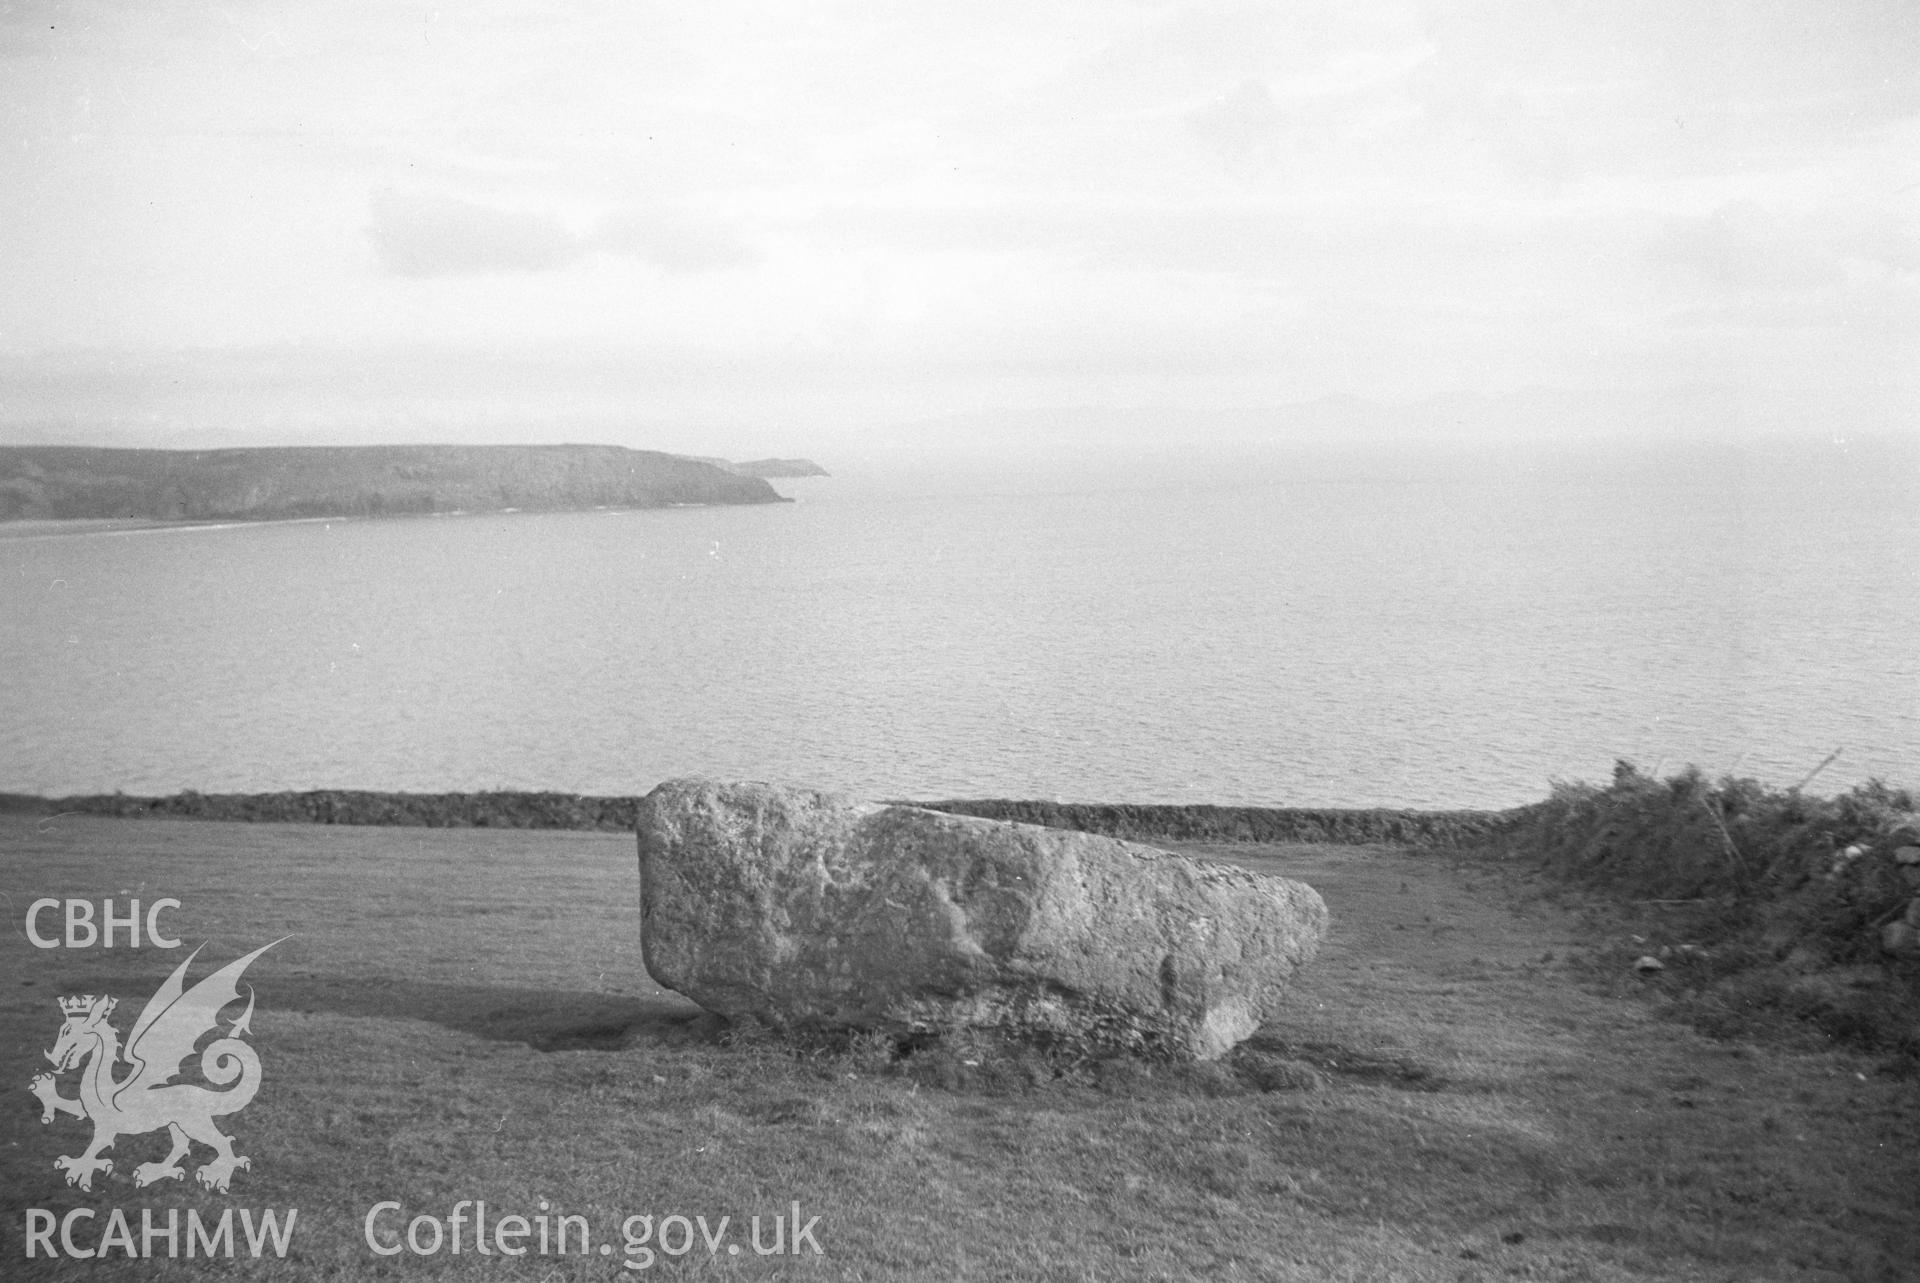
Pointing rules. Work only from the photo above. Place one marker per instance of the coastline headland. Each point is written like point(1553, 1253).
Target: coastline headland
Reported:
point(277, 483)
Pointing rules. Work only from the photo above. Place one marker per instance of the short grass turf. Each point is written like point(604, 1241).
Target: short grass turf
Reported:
point(463, 1014)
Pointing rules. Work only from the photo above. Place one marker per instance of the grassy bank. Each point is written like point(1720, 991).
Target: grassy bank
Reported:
point(528, 810)
point(1767, 911)
point(1247, 823)
point(464, 1015)
point(492, 810)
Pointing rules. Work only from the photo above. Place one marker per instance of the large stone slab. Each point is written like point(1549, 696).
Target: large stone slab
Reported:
point(802, 908)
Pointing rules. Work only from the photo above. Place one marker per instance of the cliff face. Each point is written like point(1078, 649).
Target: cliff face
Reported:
point(352, 481)
point(764, 467)
point(778, 468)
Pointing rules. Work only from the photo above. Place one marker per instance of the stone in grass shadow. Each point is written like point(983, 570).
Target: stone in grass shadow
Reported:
point(786, 1111)
point(1272, 1071)
point(546, 1020)
point(1333, 1060)
point(990, 1063)
point(1242, 1073)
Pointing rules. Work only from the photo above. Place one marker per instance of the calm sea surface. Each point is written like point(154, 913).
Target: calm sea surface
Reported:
point(1330, 630)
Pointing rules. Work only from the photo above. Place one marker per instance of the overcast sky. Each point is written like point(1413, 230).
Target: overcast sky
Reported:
point(747, 228)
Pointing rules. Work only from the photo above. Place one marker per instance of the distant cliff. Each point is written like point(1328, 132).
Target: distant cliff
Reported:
point(276, 483)
point(778, 468)
point(765, 467)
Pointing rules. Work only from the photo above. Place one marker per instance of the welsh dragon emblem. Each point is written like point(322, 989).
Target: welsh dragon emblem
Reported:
point(146, 1099)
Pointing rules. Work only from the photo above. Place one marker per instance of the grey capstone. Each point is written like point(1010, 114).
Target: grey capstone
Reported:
point(801, 908)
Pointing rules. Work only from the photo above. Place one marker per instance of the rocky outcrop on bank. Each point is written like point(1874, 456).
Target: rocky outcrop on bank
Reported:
point(805, 910)
point(1750, 903)
point(281, 483)
point(1825, 873)
point(1902, 938)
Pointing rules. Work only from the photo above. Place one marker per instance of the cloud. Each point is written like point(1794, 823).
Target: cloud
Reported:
point(440, 236)
point(1742, 246)
point(417, 235)
point(1240, 121)
point(669, 240)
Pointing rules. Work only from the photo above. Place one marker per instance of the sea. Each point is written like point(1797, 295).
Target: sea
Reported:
point(1357, 626)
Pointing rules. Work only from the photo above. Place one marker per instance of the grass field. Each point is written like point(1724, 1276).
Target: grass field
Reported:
point(1456, 1092)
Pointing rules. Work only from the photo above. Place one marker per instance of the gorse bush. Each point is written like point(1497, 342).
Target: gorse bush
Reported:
point(1786, 896)
point(1824, 866)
